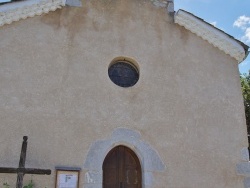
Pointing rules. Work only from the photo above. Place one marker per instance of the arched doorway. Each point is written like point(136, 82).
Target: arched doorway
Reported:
point(121, 169)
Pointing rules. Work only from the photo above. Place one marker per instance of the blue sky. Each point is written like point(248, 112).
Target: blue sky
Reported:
point(232, 16)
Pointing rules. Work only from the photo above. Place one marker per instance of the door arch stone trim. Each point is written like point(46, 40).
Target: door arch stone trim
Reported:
point(149, 158)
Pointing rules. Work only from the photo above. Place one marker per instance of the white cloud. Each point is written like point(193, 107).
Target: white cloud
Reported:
point(242, 22)
point(244, 63)
point(213, 23)
point(247, 35)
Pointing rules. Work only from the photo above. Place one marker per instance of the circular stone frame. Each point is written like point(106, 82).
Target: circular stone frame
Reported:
point(123, 72)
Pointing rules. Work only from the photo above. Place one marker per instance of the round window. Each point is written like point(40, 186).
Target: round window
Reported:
point(123, 73)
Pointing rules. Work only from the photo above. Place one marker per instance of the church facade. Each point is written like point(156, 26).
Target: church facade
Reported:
point(129, 93)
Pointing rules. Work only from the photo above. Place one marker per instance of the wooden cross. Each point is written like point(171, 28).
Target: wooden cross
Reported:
point(21, 170)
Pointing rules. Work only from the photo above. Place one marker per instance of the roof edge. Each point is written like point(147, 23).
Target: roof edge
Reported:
point(18, 10)
point(22, 10)
point(226, 43)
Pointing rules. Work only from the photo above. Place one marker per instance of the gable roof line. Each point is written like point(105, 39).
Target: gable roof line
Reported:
point(213, 35)
point(218, 38)
point(29, 8)
point(22, 10)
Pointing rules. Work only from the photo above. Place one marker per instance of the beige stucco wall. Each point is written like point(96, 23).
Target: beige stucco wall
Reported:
point(54, 88)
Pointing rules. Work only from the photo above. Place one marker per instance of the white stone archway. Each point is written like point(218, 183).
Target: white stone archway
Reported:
point(149, 158)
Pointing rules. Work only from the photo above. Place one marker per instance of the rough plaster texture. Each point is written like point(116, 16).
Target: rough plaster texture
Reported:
point(245, 154)
point(243, 168)
point(187, 104)
point(247, 182)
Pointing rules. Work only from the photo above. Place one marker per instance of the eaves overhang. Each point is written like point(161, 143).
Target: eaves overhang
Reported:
point(218, 38)
point(23, 9)
point(29, 8)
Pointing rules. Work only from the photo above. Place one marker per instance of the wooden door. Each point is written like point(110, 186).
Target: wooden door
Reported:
point(121, 169)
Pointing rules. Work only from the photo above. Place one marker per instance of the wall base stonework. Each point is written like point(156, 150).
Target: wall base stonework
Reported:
point(243, 168)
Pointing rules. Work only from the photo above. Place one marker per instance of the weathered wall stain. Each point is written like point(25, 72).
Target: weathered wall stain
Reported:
point(67, 18)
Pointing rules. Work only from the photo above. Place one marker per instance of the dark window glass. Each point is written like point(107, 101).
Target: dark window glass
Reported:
point(123, 74)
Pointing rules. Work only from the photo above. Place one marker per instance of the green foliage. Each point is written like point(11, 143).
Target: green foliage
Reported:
point(30, 185)
point(6, 185)
point(245, 86)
